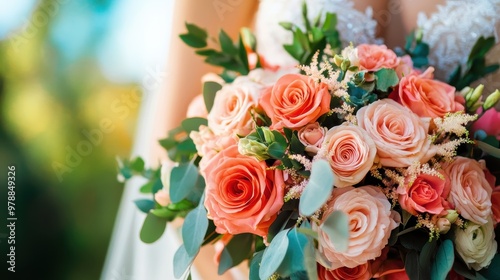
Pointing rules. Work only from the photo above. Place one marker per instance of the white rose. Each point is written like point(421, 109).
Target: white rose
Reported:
point(476, 244)
point(351, 54)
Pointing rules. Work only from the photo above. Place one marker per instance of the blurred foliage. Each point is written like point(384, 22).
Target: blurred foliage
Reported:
point(47, 104)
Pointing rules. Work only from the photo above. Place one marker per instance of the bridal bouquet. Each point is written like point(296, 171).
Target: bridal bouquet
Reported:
point(356, 164)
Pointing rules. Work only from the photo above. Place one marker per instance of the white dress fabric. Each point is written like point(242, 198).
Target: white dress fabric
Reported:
point(451, 32)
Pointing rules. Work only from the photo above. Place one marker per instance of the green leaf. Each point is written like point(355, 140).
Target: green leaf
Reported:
point(193, 124)
point(296, 146)
point(243, 57)
point(164, 213)
point(182, 181)
point(152, 228)
point(255, 266)
point(196, 31)
point(318, 189)
point(492, 151)
point(209, 91)
point(412, 265)
point(386, 78)
point(182, 262)
point(287, 25)
point(444, 260)
point(144, 204)
point(137, 165)
point(238, 249)
point(294, 258)
point(276, 150)
point(206, 52)
point(425, 259)
point(274, 255)
point(194, 228)
point(493, 270)
point(193, 41)
point(336, 226)
point(226, 43)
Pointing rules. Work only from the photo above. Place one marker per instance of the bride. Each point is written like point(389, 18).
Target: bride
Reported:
point(450, 27)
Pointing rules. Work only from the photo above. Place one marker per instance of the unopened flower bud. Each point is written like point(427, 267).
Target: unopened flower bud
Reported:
point(475, 95)
point(491, 100)
point(248, 38)
point(345, 65)
point(443, 225)
point(337, 59)
point(419, 34)
point(466, 91)
point(452, 216)
point(268, 135)
point(253, 148)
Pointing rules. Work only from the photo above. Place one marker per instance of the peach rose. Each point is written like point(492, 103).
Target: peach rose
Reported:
point(427, 97)
point(427, 194)
point(197, 108)
point(242, 194)
point(231, 112)
point(312, 136)
point(400, 135)
point(376, 57)
point(486, 122)
point(405, 67)
point(370, 224)
point(470, 191)
point(294, 101)
point(360, 272)
point(495, 204)
point(350, 152)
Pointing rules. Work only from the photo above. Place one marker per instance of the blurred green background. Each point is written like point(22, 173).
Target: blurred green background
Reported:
point(66, 67)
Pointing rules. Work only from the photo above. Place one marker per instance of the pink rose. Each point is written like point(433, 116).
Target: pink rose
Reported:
point(405, 67)
point(350, 152)
point(470, 191)
point(370, 224)
point(426, 194)
point(489, 123)
point(376, 57)
point(360, 272)
point(242, 194)
point(427, 97)
point(294, 101)
point(231, 112)
point(400, 135)
point(495, 204)
point(312, 136)
point(197, 108)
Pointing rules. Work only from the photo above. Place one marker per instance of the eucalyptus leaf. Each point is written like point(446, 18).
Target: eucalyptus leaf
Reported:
point(426, 259)
point(137, 165)
point(274, 255)
point(294, 260)
point(386, 78)
point(336, 226)
point(255, 266)
point(193, 124)
point(445, 257)
point(310, 260)
point(238, 249)
point(144, 204)
point(412, 266)
point(492, 151)
point(182, 181)
point(194, 228)
point(182, 262)
point(225, 263)
point(318, 189)
point(152, 228)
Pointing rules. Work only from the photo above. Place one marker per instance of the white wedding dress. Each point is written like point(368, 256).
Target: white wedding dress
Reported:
point(451, 32)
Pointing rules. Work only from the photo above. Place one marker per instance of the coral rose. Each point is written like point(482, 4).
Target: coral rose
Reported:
point(427, 194)
point(350, 152)
point(231, 112)
point(399, 134)
point(360, 272)
point(376, 57)
point(242, 194)
point(294, 101)
point(476, 244)
point(370, 224)
point(312, 136)
point(470, 191)
point(427, 97)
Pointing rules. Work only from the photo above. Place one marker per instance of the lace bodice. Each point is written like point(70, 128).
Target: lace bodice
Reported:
point(451, 31)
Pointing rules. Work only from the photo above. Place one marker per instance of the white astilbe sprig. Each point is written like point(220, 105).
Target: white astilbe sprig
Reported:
point(454, 123)
point(295, 191)
point(448, 150)
point(316, 71)
point(346, 112)
point(307, 163)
